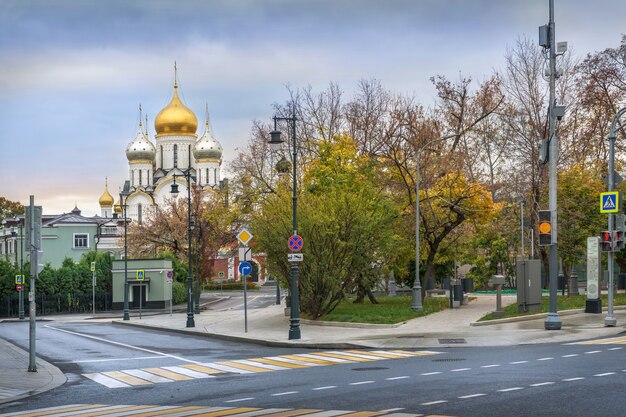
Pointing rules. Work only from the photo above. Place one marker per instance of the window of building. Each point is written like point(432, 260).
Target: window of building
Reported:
point(214, 175)
point(161, 156)
point(81, 241)
point(175, 156)
point(206, 179)
point(139, 213)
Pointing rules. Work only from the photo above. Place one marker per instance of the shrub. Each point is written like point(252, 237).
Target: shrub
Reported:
point(179, 292)
point(229, 286)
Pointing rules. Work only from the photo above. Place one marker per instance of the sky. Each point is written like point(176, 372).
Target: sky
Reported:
point(74, 72)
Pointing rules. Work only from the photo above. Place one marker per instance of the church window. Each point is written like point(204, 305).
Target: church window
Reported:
point(207, 176)
point(189, 156)
point(132, 177)
point(215, 175)
point(161, 156)
point(139, 213)
point(140, 179)
point(175, 156)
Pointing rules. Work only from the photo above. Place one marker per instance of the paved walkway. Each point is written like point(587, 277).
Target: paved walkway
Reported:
point(270, 326)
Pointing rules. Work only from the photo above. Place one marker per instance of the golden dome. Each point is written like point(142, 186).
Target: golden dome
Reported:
point(106, 199)
point(118, 207)
point(176, 118)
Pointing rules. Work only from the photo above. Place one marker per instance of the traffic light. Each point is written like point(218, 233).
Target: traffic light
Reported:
point(545, 228)
point(618, 240)
point(606, 241)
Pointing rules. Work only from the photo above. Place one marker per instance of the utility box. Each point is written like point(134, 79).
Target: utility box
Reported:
point(529, 286)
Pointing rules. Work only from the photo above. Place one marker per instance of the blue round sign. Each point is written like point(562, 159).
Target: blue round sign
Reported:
point(245, 268)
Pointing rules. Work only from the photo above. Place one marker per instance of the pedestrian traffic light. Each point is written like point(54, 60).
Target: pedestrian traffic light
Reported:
point(606, 241)
point(545, 228)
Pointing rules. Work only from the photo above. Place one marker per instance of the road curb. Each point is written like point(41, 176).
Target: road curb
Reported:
point(537, 316)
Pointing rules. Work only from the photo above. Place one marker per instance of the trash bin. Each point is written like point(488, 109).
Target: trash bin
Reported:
point(468, 284)
point(621, 281)
point(458, 292)
point(561, 282)
point(445, 283)
point(430, 284)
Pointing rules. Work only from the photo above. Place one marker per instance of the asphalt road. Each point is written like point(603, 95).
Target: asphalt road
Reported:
point(533, 380)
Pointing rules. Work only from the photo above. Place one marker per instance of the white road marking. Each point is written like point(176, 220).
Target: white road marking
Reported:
point(106, 381)
point(605, 374)
point(327, 387)
point(389, 410)
point(121, 344)
point(239, 399)
point(187, 372)
point(616, 348)
point(541, 384)
point(464, 397)
point(430, 373)
point(113, 359)
point(397, 377)
point(146, 375)
point(545, 359)
point(284, 393)
point(489, 366)
point(517, 363)
point(261, 365)
point(570, 355)
point(435, 402)
point(510, 389)
point(361, 382)
point(226, 368)
point(574, 379)
point(592, 351)
point(324, 358)
point(461, 370)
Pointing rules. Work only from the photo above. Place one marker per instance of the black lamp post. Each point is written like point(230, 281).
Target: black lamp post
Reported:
point(174, 192)
point(275, 142)
point(196, 308)
point(123, 196)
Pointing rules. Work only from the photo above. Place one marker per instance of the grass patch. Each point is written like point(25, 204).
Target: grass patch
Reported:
point(562, 303)
point(391, 310)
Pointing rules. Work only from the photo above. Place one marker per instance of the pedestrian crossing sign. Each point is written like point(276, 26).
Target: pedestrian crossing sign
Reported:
point(140, 275)
point(610, 202)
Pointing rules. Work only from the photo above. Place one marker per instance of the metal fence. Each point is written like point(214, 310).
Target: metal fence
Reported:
point(56, 303)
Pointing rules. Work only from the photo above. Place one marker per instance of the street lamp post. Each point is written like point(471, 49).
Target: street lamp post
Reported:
point(123, 197)
point(174, 192)
point(276, 142)
point(196, 308)
point(21, 303)
point(416, 302)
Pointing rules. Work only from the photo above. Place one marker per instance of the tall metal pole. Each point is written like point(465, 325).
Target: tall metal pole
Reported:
point(416, 304)
point(197, 259)
point(521, 215)
point(32, 311)
point(610, 320)
point(124, 206)
point(294, 327)
point(190, 320)
point(21, 302)
point(553, 321)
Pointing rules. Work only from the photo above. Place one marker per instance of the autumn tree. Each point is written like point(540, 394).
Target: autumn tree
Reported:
point(10, 208)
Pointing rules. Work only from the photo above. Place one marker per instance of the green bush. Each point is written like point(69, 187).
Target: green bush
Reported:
point(179, 292)
point(229, 286)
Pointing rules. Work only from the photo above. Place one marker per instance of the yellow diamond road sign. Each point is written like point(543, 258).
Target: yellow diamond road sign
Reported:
point(244, 236)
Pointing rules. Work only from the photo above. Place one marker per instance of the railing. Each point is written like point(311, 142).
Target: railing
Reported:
point(56, 303)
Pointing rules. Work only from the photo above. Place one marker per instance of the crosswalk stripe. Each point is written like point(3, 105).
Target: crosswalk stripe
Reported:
point(313, 356)
point(167, 374)
point(349, 357)
point(261, 365)
point(128, 379)
point(188, 372)
point(293, 413)
point(123, 408)
point(53, 410)
point(416, 353)
point(363, 355)
point(244, 366)
point(201, 368)
point(329, 413)
point(106, 381)
point(363, 414)
point(226, 412)
point(195, 411)
point(307, 359)
point(279, 363)
point(151, 410)
point(226, 368)
point(294, 361)
point(140, 373)
point(261, 412)
point(380, 354)
point(165, 410)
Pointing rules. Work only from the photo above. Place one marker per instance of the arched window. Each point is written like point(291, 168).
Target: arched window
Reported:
point(161, 156)
point(140, 179)
point(175, 156)
point(139, 213)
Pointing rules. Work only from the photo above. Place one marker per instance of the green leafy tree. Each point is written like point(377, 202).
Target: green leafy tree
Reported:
point(10, 208)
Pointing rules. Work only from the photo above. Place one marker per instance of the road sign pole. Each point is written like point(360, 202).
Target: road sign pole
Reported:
point(93, 293)
point(32, 362)
point(245, 303)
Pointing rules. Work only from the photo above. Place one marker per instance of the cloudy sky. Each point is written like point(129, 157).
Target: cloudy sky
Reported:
point(73, 72)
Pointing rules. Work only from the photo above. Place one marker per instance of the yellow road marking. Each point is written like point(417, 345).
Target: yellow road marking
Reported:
point(129, 379)
point(363, 414)
point(292, 413)
point(168, 411)
point(278, 363)
point(56, 410)
point(226, 412)
point(310, 360)
point(406, 352)
point(116, 410)
point(244, 366)
point(204, 369)
point(348, 357)
point(167, 374)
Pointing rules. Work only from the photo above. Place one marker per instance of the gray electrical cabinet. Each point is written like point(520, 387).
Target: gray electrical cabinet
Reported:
point(529, 286)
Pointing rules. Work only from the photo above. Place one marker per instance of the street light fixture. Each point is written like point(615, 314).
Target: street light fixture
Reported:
point(174, 192)
point(275, 143)
point(416, 302)
point(123, 197)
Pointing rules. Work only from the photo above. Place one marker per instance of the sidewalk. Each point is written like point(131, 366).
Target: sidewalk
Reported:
point(269, 326)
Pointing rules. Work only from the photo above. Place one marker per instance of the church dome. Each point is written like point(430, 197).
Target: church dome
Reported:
point(176, 118)
point(117, 208)
point(140, 149)
point(207, 147)
point(106, 199)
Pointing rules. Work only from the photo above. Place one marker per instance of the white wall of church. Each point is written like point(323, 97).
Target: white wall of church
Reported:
point(175, 152)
